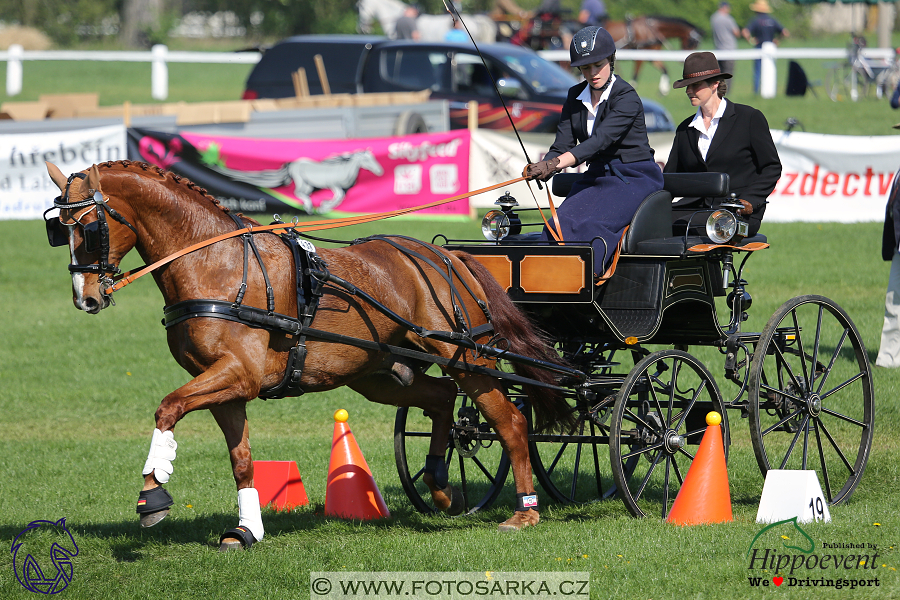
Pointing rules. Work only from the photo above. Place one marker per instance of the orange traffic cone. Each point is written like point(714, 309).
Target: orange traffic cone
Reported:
point(279, 484)
point(351, 492)
point(704, 496)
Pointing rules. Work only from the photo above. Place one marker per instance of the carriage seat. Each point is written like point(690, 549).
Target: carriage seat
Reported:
point(650, 232)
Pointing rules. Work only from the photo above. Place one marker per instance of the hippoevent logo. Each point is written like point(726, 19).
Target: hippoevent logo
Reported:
point(42, 556)
point(783, 554)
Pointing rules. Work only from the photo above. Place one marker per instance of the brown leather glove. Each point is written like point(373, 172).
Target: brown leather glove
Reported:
point(542, 171)
point(747, 210)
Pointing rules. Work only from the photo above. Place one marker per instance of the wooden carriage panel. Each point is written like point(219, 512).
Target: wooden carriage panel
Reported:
point(538, 272)
point(500, 267)
point(552, 274)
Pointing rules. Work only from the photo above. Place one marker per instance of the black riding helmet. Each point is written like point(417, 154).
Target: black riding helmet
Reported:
point(591, 44)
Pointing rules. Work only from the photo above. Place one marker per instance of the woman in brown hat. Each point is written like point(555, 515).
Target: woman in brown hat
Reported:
point(721, 137)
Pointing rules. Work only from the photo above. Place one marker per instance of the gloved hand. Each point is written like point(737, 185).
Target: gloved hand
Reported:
point(542, 171)
point(747, 209)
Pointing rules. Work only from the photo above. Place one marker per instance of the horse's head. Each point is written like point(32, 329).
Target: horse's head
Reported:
point(368, 162)
point(96, 243)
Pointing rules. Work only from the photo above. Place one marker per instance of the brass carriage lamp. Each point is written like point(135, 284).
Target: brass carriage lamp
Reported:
point(725, 225)
point(497, 224)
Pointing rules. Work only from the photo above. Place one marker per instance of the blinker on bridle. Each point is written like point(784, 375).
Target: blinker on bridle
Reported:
point(95, 233)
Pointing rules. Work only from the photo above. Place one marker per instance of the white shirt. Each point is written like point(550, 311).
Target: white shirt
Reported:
point(585, 97)
point(706, 135)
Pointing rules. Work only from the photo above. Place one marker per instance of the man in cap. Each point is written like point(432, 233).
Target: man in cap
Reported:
point(763, 28)
point(725, 32)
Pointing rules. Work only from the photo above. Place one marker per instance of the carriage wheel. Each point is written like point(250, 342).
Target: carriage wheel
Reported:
point(568, 464)
point(659, 419)
point(811, 395)
point(478, 467)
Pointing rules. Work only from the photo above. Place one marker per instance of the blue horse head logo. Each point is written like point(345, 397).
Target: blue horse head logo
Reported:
point(37, 541)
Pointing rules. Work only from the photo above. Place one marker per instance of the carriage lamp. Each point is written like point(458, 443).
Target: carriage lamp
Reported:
point(725, 226)
point(497, 224)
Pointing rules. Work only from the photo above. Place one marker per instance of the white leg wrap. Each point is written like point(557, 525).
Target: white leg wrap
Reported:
point(248, 509)
point(162, 453)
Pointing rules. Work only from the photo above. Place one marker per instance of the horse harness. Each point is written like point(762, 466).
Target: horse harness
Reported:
point(95, 233)
point(312, 276)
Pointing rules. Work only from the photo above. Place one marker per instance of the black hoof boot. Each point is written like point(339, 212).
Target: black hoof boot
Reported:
point(153, 506)
point(242, 534)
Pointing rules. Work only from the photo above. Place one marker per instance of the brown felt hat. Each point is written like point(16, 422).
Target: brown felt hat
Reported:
point(700, 66)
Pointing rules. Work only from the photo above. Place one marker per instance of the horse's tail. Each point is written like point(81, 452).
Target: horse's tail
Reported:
point(551, 411)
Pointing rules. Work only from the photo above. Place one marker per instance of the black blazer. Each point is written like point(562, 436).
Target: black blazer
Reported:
point(890, 241)
point(742, 147)
point(619, 131)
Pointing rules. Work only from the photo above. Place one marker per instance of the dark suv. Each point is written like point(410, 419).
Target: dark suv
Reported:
point(533, 89)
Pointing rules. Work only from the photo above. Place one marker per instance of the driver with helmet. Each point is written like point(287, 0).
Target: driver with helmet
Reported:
point(602, 124)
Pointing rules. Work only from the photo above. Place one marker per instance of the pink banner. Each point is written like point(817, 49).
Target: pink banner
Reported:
point(369, 175)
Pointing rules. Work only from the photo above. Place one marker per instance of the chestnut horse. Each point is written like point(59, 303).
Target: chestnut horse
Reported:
point(160, 213)
point(653, 33)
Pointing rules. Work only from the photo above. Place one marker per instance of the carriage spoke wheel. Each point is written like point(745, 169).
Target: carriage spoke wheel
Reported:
point(657, 423)
point(571, 465)
point(476, 464)
point(811, 395)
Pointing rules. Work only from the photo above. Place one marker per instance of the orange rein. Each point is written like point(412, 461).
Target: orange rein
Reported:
point(126, 278)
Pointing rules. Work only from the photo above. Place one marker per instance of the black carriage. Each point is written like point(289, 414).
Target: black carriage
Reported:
point(804, 383)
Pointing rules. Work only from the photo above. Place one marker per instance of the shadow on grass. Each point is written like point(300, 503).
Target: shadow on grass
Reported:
point(128, 542)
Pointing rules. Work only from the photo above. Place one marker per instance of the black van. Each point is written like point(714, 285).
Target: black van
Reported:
point(341, 54)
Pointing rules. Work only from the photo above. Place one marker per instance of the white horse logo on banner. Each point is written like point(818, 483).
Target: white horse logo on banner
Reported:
point(337, 173)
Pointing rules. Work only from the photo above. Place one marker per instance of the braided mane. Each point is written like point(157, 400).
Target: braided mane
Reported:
point(133, 165)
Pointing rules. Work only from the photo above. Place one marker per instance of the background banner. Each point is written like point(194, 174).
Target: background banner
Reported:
point(824, 177)
point(369, 175)
point(25, 188)
point(833, 177)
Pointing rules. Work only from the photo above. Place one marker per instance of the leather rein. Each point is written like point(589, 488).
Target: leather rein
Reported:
point(111, 277)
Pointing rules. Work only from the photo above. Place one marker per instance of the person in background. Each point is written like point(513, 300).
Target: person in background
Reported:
point(721, 137)
point(593, 13)
point(602, 124)
point(456, 33)
point(889, 349)
point(763, 28)
point(725, 32)
point(406, 28)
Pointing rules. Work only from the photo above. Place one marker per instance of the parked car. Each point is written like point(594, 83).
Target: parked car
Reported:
point(533, 89)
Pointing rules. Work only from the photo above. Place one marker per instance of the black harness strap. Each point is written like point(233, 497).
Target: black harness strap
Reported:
point(462, 321)
point(256, 317)
point(250, 243)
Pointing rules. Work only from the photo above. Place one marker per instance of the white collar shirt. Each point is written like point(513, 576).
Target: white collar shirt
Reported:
point(707, 135)
point(585, 97)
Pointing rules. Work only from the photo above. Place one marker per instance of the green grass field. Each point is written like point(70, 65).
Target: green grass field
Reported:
point(78, 393)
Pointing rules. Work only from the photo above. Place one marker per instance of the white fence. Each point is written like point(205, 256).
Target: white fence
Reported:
point(160, 57)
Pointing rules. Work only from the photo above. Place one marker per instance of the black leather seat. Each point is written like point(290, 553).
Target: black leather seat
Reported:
point(650, 232)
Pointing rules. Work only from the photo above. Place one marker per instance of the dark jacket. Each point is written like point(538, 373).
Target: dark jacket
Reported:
point(619, 131)
point(890, 241)
point(741, 147)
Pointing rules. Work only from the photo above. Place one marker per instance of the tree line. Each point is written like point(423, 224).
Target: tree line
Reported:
point(142, 23)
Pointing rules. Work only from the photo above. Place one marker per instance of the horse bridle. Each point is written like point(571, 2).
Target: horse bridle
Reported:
point(95, 233)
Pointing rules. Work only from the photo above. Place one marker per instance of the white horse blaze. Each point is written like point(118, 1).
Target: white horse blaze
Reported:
point(77, 278)
point(162, 453)
point(250, 514)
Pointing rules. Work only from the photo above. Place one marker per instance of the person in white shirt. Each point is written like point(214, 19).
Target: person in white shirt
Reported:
point(721, 137)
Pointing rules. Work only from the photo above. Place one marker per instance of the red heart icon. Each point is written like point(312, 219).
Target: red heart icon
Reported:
point(778, 580)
